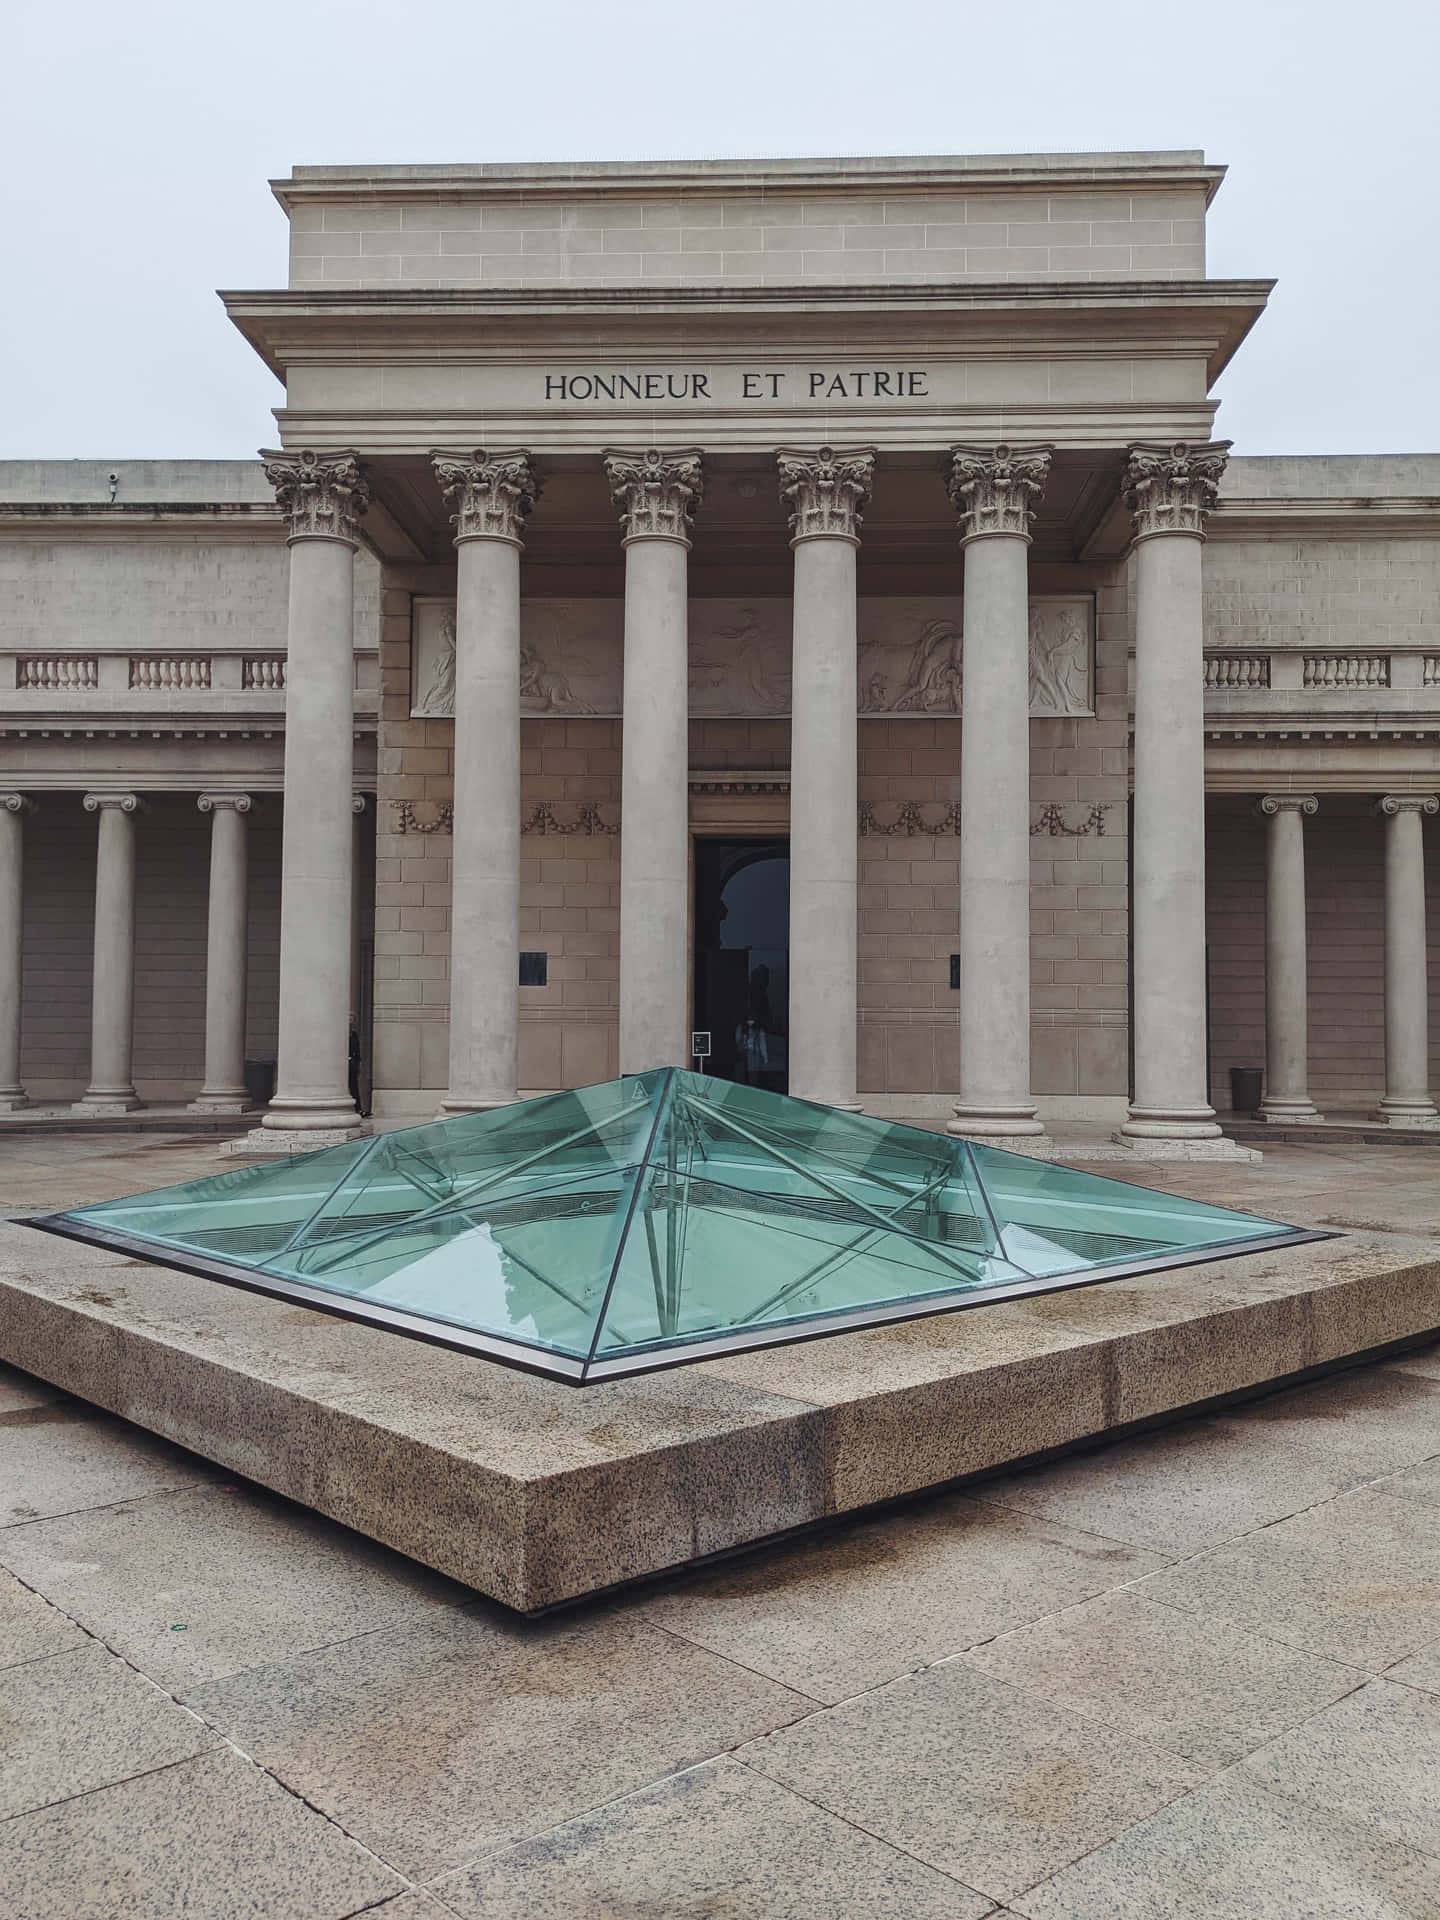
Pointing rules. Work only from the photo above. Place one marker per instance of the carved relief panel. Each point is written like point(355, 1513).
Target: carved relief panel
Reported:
point(910, 658)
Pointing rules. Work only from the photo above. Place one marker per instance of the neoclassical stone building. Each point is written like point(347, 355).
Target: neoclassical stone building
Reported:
point(793, 614)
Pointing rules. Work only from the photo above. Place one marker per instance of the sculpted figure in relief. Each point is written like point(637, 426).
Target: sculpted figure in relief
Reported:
point(438, 699)
point(1059, 661)
point(936, 676)
point(739, 667)
point(543, 688)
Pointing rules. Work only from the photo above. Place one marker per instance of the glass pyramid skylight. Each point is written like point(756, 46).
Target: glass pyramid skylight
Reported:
point(657, 1219)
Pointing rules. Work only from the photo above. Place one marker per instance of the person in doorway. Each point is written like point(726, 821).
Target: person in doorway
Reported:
point(752, 1056)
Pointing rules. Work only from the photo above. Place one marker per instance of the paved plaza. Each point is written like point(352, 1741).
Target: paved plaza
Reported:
point(1194, 1672)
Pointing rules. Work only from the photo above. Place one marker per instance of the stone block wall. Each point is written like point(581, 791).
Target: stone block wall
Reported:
point(1356, 595)
point(650, 238)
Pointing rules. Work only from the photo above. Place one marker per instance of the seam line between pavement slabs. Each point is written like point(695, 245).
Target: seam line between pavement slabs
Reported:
point(224, 1739)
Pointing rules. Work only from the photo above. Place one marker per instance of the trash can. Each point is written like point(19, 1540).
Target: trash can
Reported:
point(1245, 1088)
point(260, 1082)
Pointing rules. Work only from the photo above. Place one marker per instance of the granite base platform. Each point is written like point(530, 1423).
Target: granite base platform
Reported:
point(536, 1493)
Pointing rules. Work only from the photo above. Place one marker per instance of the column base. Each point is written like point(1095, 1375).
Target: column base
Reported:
point(1220, 1148)
point(994, 1124)
point(281, 1141)
point(454, 1107)
point(1034, 1146)
point(1416, 1112)
point(1291, 1112)
point(107, 1102)
point(1170, 1123)
point(13, 1100)
point(221, 1103)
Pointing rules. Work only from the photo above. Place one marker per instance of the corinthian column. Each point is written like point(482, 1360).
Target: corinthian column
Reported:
point(13, 809)
point(1407, 1101)
point(996, 490)
point(825, 490)
point(112, 1007)
point(1287, 988)
point(226, 941)
point(658, 493)
point(492, 493)
point(1170, 490)
point(323, 496)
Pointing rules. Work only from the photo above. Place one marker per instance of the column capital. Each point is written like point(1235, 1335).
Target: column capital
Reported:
point(825, 489)
point(322, 494)
point(1272, 803)
point(209, 802)
point(1170, 487)
point(492, 493)
point(358, 803)
point(114, 802)
point(996, 488)
point(16, 803)
point(1393, 803)
point(657, 492)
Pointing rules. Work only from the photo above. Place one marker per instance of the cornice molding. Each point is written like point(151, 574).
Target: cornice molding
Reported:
point(650, 179)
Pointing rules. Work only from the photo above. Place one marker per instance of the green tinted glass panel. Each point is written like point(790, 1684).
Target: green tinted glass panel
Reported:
point(657, 1218)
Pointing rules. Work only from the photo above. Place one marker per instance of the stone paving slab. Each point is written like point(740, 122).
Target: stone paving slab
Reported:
point(1026, 1788)
point(436, 1744)
point(193, 1587)
point(1233, 1851)
point(671, 1849)
point(211, 1839)
point(1355, 1580)
point(496, 1478)
point(82, 1720)
point(855, 1608)
point(1195, 1686)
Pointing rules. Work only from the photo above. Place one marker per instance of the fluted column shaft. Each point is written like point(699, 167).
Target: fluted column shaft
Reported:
point(1170, 490)
point(492, 495)
point(323, 497)
point(1407, 1101)
point(226, 945)
point(996, 489)
point(1287, 989)
point(13, 809)
point(826, 489)
point(112, 1003)
point(658, 493)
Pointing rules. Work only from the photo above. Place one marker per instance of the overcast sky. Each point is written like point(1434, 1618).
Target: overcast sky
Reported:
point(139, 137)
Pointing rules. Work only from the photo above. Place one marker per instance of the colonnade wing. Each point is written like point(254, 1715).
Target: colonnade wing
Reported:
point(659, 1218)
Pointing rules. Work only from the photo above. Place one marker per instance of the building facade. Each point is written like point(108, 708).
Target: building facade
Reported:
point(795, 614)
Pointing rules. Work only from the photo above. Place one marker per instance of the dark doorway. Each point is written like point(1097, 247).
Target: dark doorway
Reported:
point(742, 958)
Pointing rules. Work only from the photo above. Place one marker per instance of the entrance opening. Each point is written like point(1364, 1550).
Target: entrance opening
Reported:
point(742, 960)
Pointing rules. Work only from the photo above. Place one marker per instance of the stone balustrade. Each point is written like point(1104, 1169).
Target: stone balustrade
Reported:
point(57, 672)
point(1318, 680)
point(169, 673)
point(112, 680)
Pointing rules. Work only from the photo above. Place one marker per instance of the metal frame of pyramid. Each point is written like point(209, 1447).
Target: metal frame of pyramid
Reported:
point(658, 1220)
